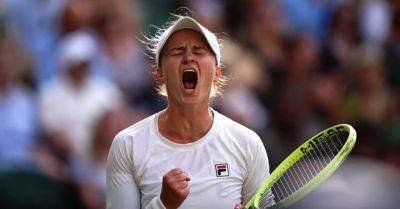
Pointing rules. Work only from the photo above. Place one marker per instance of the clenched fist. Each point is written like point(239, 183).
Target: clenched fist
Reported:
point(175, 188)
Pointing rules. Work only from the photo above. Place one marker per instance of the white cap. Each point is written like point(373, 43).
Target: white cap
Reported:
point(76, 48)
point(190, 23)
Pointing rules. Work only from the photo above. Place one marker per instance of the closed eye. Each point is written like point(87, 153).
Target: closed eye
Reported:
point(177, 51)
point(199, 50)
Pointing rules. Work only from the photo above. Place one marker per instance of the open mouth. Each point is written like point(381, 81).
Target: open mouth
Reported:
point(189, 79)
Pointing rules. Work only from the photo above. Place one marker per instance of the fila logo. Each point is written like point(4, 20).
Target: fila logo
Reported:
point(222, 169)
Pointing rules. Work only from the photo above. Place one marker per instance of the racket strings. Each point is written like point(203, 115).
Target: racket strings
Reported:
point(305, 169)
point(268, 201)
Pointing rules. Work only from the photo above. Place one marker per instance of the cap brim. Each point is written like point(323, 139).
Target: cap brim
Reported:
point(189, 23)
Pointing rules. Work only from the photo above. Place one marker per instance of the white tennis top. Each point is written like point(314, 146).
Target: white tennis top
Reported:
point(226, 166)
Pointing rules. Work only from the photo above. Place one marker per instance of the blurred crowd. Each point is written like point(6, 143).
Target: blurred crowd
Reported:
point(73, 73)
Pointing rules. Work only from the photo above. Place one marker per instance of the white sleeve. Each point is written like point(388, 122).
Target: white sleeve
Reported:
point(122, 189)
point(155, 204)
point(258, 168)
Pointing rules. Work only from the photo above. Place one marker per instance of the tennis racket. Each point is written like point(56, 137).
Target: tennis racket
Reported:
point(305, 168)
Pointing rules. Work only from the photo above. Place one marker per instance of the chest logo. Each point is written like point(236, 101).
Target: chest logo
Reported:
point(221, 169)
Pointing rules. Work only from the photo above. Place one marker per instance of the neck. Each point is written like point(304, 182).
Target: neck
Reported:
point(185, 124)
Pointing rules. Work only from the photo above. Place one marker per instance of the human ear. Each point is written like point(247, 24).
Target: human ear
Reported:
point(159, 73)
point(218, 71)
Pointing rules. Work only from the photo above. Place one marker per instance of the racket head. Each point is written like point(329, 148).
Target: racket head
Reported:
point(318, 158)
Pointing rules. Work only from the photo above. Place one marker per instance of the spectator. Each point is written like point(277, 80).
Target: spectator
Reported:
point(307, 16)
point(392, 53)
point(18, 115)
point(375, 23)
point(91, 174)
point(292, 109)
point(36, 25)
point(71, 104)
point(121, 58)
point(343, 39)
point(77, 15)
point(370, 94)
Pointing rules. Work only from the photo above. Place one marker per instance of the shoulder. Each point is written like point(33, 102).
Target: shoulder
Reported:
point(236, 129)
point(130, 145)
point(238, 137)
point(136, 131)
point(135, 137)
point(243, 142)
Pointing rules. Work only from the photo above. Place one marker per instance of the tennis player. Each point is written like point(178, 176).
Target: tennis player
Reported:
point(188, 155)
